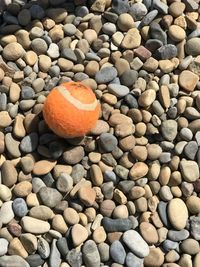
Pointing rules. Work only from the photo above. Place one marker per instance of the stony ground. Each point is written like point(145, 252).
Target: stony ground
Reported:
point(127, 194)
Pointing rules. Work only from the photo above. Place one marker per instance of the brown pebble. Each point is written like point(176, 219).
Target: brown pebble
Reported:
point(87, 195)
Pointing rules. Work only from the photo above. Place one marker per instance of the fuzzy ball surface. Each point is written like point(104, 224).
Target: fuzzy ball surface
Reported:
point(71, 110)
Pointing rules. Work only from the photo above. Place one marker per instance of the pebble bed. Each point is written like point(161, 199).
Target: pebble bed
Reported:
point(127, 194)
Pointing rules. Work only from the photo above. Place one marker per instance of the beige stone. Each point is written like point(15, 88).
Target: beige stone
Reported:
point(188, 80)
point(178, 213)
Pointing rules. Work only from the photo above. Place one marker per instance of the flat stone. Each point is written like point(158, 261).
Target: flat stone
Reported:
point(118, 90)
point(12, 146)
point(134, 261)
point(43, 167)
point(116, 225)
point(7, 261)
point(74, 258)
point(192, 46)
point(43, 248)
point(178, 213)
point(108, 142)
point(34, 260)
point(136, 243)
point(73, 155)
point(195, 227)
point(8, 173)
point(178, 236)
point(34, 226)
point(155, 257)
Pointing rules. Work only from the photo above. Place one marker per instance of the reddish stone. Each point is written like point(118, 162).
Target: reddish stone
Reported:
point(142, 53)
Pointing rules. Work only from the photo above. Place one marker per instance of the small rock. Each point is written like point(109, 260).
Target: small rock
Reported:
point(106, 75)
point(178, 213)
point(50, 196)
point(91, 254)
point(117, 252)
point(188, 80)
point(34, 226)
point(79, 234)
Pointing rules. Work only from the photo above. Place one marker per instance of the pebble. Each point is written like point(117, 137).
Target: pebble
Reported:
point(136, 243)
point(50, 196)
point(117, 252)
point(178, 213)
point(18, 260)
point(91, 255)
point(118, 90)
point(6, 212)
point(105, 75)
point(116, 225)
point(29, 143)
point(34, 226)
point(19, 207)
point(189, 170)
point(3, 246)
point(79, 234)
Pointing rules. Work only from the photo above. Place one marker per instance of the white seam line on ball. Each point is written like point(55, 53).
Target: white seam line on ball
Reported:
point(75, 102)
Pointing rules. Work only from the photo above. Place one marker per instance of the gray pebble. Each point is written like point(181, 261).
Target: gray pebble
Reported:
point(37, 12)
point(69, 29)
point(138, 11)
point(3, 102)
point(160, 6)
point(62, 246)
point(106, 75)
point(68, 53)
point(169, 245)
point(55, 257)
point(136, 243)
point(169, 129)
point(43, 248)
point(129, 77)
point(50, 196)
point(8, 261)
point(178, 236)
point(91, 255)
point(166, 51)
point(133, 261)
point(27, 93)
point(117, 252)
point(157, 32)
point(74, 258)
point(195, 227)
point(81, 11)
point(34, 260)
point(116, 225)
point(104, 251)
point(118, 90)
point(120, 7)
point(29, 143)
point(19, 207)
point(186, 134)
point(191, 149)
point(149, 18)
point(107, 142)
point(162, 210)
point(39, 46)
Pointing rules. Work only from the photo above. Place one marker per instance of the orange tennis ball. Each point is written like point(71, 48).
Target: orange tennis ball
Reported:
point(71, 110)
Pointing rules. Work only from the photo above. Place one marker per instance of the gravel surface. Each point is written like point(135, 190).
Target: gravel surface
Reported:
point(127, 193)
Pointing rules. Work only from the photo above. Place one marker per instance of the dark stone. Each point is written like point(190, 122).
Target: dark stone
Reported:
point(62, 246)
point(116, 225)
point(74, 258)
point(156, 32)
point(120, 6)
point(162, 210)
point(34, 260)
point(166, 51)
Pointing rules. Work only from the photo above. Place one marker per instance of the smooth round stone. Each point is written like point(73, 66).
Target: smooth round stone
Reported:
point(5, 193)
point(176, 33)
point(108, 142)
point(186, 134)
point(167, 51)
point(79, 234)
point(8, 261)
point(69, 29)
point(41, 212)
point(91, 255)
point(71, 216)
point(116, 225)
point(3, 246)
point(192, 46)
point(50, 196)
point(189, 170)
point(169, 129)
point(149, 233)
point(73, 155)
point(6, 212)
point(155, 258)
point(34, 260)
point(117, 252)
point(178, 235)
point(53, 51)
point(138, 11)
point(118, 90)
point(129, 77)
point(37, 12)
point(136, 243)
point(134, 261)
point(78, 173)
point(8, 173)
point(64, 183)
point(106, 75)
point(147, 98)
point(29, 143)
point(12, 145)
point(39, 46)
point(178, 213)
point(190, 246)
point(43, 167)
point(191, 149)
point(19, 207)
point(104, 251)
point(63, 246)
point(13, 51)
point(34, 226)
point(109, 28)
